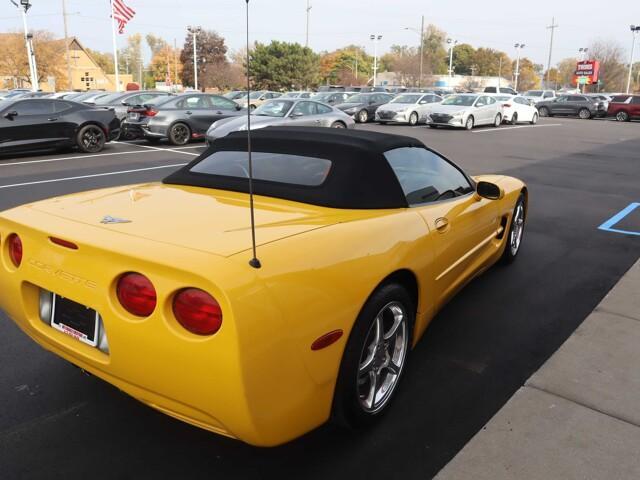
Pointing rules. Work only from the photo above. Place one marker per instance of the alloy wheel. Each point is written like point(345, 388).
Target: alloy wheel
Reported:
point(584, 114)
point(544, 112)
point(383, 357)
point(517, 229)
point(363, 116)
point(622, 116)
point(180, 134)
point(92, 138)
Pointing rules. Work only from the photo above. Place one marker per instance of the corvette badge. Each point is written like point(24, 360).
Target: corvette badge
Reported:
point(108, 219)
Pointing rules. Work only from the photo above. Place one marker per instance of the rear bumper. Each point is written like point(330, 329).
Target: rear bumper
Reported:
point(233, 383)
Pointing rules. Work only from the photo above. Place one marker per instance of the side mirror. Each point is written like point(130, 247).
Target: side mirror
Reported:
point(295, 115)
point(423, 102)
point(125, 103)
point(10, 115)
point(238, 107)
point(489, 190)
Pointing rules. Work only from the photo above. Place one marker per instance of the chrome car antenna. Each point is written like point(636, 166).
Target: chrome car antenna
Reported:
point(254, 262)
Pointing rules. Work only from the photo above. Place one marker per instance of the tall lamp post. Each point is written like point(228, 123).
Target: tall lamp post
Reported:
point(195, 31)
point(519, 47)
point(24, 6)
point(634, 31)
point(375, 38)
point(421, 32)
point(451, 43)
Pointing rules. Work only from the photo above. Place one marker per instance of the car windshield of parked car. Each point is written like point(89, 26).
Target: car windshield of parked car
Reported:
point(274, 108)
point(406, 99)
point(503, 98)
point(425, 176)
point(255, 95)
point(533, 93)
point(321, 97)
point(460, 100)
point(109, 99)
point(268, 166)
point(291, 95)
point(358, 98)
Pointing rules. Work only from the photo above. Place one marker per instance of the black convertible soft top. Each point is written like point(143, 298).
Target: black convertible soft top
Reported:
point(360, 176)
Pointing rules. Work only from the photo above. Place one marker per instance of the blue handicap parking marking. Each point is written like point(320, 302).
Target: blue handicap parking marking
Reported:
point(608, 226)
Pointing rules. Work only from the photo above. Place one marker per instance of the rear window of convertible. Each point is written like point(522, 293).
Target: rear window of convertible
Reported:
point(271, 167)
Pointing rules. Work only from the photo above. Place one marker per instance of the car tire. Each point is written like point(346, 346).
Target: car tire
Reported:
point(514, 119)
point(497, 121)
point(470, 123)
point(179, 134)
point(91, 139)
point(513, 240)
point(413, 119)
point(534, 119)
point(584, 114)
point(362, 116)
point(338, 125)
point(622, 116)
point(368, 356)
point(544, 112)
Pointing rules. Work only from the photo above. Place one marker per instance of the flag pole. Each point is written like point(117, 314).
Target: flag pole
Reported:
point(115, 46)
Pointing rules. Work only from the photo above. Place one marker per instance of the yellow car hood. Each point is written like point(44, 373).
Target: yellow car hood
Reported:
point(207, 220)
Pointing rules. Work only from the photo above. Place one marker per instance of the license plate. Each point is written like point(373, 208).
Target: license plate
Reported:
point(134, 116)
point(75, 320)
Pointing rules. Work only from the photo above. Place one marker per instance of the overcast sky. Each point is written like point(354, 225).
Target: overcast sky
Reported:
point(335, 23)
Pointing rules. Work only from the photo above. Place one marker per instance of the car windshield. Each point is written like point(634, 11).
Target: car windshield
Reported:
point(321, 97)
point(533, 93)
point(254, 95)
point(502, 98)
point(358, 98)
point(406, 99)
point(109, 99)
point(461, 100)
point(274, 108)
point(291, 95)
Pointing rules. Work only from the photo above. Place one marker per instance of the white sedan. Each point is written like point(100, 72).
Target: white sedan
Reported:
point(411, 108)
point(466, 111)
point(516, 108)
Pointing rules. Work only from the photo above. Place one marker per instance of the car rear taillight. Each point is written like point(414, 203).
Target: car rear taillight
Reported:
point(197, 311)
point(137, 294)
point(151, 112)
point(15, 249)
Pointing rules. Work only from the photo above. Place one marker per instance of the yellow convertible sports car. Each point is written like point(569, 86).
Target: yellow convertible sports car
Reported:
point(361, 237)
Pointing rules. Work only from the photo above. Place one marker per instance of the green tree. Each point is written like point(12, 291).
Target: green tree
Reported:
point(130, 57)
point(463, 59)
point(211, 54)
point(283, 66)
point(156, 44)
point(566, 72)
point(613, 70)
point(104, 60)
point(529, 75)
point(436, 60)
point(492, 63)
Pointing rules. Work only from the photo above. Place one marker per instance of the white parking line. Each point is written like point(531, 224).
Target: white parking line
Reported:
point(121, 172)
point(47, 160)
point(159, 149)
point(502, 129)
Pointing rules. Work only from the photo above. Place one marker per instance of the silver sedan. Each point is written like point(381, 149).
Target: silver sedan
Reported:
point(282, 112)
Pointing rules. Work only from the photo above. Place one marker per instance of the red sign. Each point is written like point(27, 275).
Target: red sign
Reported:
point(589, 69)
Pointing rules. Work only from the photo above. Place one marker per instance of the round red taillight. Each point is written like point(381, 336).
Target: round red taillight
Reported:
point(15, 249)
point(136, 294)
point(197, 311)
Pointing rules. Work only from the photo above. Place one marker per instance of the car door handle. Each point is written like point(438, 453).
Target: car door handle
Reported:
point(52, 119)
point(188, 112)
point(318, 121)
point(442, 224)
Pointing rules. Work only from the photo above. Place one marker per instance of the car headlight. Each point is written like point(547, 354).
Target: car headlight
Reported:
point(458, 114)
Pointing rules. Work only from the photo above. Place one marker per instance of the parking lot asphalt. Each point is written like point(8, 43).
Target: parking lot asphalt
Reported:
point(57, 423)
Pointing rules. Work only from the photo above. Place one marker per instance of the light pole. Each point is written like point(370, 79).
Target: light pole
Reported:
point(194, 31)
point(634, 31)
point(421, 47)
point(376, 39)
point(519, 47)
point(306, 43)
point(24, 6)
point(452, 43)
point(551, 27)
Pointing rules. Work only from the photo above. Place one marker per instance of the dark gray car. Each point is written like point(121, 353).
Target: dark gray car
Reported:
point(179, 119)
point(362, 107)
point(581, 106)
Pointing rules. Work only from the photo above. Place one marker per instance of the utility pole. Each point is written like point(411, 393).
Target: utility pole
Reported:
point(66, 44)
point(634, 31)
point(306, 43)
point(551, 27)
point(24, 6)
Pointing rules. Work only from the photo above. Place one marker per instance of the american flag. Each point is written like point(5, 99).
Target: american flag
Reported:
point(122, 14)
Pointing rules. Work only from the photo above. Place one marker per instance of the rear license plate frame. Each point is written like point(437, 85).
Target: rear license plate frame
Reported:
point(90, 335)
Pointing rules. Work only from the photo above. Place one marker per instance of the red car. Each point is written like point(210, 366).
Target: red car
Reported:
point(624, 107)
